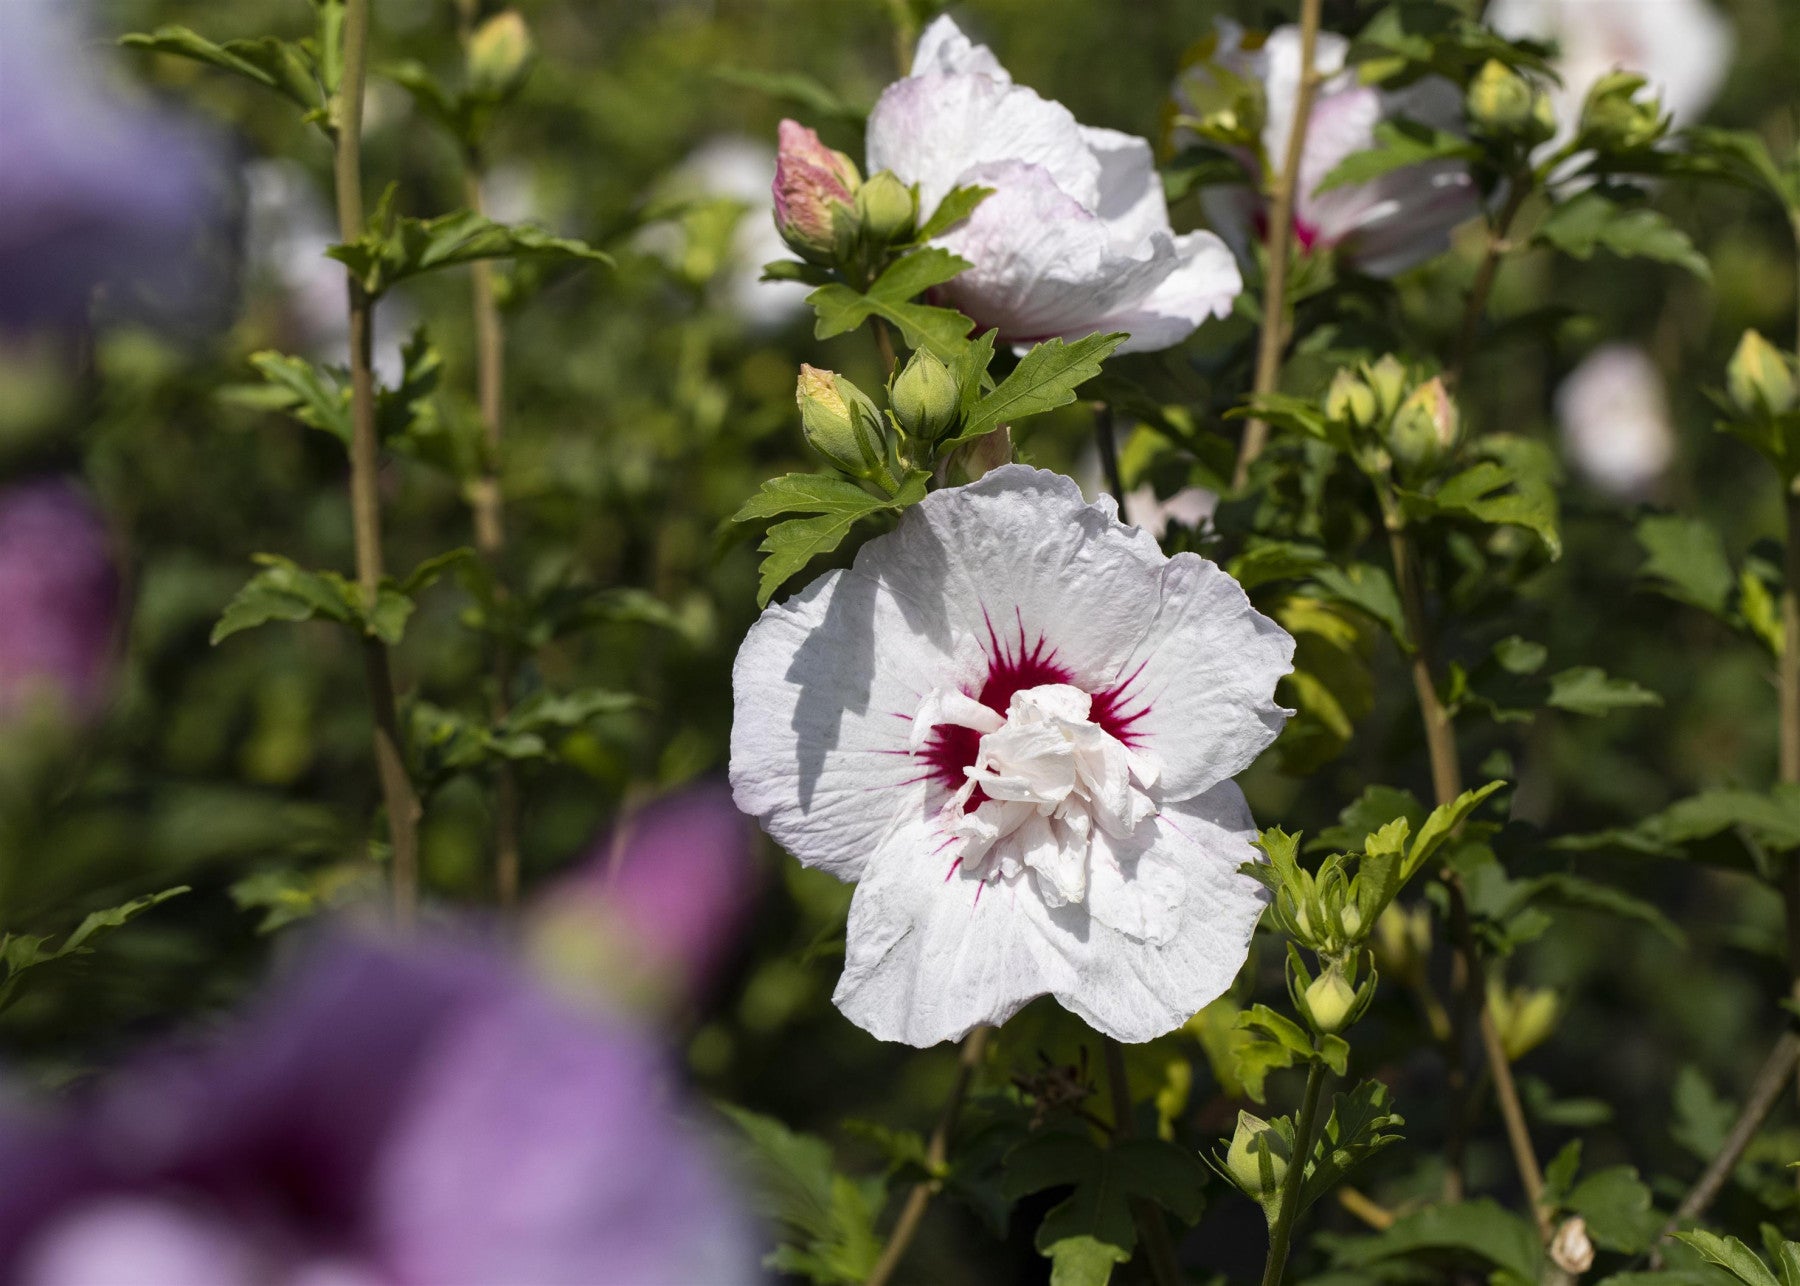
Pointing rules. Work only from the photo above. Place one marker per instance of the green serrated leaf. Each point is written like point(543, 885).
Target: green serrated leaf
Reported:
point(1686, 561)
point(1045, 379)
point(1083, 1261)
point(397, 247)
point(319, 399)
point(957, 205)
point(283, 66)
point(1617, 1207)
point(1593, 220)
point(1732, 1255)
point(285, 591)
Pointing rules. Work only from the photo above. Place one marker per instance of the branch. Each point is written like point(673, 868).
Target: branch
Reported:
point(1273, 337)
point(937, 1152)
point(398, 796)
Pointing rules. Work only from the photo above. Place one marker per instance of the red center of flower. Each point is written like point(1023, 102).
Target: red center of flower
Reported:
point(1015, 666)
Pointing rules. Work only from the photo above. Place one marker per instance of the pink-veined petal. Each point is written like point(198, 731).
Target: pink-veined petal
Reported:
point(1205, 283)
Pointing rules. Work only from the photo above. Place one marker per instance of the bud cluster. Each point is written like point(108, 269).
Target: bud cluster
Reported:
point(926, 405)
point(1525, 1016)
point(1394, 420)
point(825, 211)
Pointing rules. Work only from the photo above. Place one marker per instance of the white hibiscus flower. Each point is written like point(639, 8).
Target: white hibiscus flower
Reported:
point(1383, 226)
point(1075, 238)
point(1614, 412)
point(1014, 723)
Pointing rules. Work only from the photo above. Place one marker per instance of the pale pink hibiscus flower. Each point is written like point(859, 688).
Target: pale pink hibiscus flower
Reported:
point(1014, 722)
point(1075, 238)
point(1381, 227)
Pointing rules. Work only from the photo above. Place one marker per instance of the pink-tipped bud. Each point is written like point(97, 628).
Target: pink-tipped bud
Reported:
point(814, 188)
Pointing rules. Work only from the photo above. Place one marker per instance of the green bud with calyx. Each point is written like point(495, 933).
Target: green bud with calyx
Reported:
point(1423, 431)
point(1615, 117)
point(887, 210)
point(1500, 99)
point(842, 424)
point(499, 56)
point(1257, 1159)
point(1388, 379)
point(925, 397)
point(1759, 377)
point(1351, 401)
point(1331, 1001)
point(1525, 1017)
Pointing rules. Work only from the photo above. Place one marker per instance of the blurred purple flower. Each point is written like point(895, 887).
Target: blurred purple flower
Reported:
point(93, 187)
point(382, 1119)
point(1383, 226)
point(661, 904)
point(59, 599)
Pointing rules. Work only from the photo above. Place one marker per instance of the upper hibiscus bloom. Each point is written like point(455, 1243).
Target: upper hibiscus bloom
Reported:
point(1014, 722)
point(1075, 238)
point(1381, 227)
point(1683, 47)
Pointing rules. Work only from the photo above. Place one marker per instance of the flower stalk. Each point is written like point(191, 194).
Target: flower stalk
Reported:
point(1281, 1232)
point(1273, 337)
point(398, 796)
point(1159, 1248)
point(1498, 246)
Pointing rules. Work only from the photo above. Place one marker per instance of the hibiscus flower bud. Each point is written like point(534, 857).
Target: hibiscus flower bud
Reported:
point(1759, 377)
point(500, 55)
point(1402, 942)
point(887, 210)
point(1504, 103)
point(841, 423)
point(1614, 117)
point(814, 189)
point(925, 397)
point(1351, 401)
point(1571, 1249)
point(1388, 378)
point(1525, 1017)
point(1331, 1001)
point(1423, 430)
point(1257, 1158)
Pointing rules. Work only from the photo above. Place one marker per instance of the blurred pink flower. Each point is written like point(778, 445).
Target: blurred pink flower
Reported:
point(1614, 412)
point(1381, 227)
point(1075, 238)
point(1683, 47)
point(661, 904)
point(59, 600)
point(382, 1118)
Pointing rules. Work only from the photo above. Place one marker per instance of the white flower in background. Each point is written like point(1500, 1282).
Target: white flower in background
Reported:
point(1141, 506)
point(1683, 47)
point(1614, 412)
point(1381, 227)
point(1075, 238)
point(288, 230)
point(1014, 723)
point(739, 168)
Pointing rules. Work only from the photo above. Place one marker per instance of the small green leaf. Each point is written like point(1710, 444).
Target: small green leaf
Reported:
point(806, 493)
point(957, 205)
point(1045, 379)
point(1083, 1261)
point(1586, 689)
point(1490, 492)
point(1616, 1205)
point(792, 544)
point(841, 309)
point(1105, 1180)
point(285, 591)
point(283, 66)
point(1686, 561)
point(397, 247)
point(1370, 590)
point(319, 399)
point(1732, 1255)
point(1400, 143)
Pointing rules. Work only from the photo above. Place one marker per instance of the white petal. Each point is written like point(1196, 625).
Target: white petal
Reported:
point(1104, 768)
point(1197, 694)
point(1057, 856)
point(943, 48)
point(825, 688)
point(1278, 64)
point(1045, 266)
point(1020, 557)
point(926, 961)
point(1132, 200)
point(952, 706)
point(933, 129)
point(1205, 283)
point(1032, 762)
